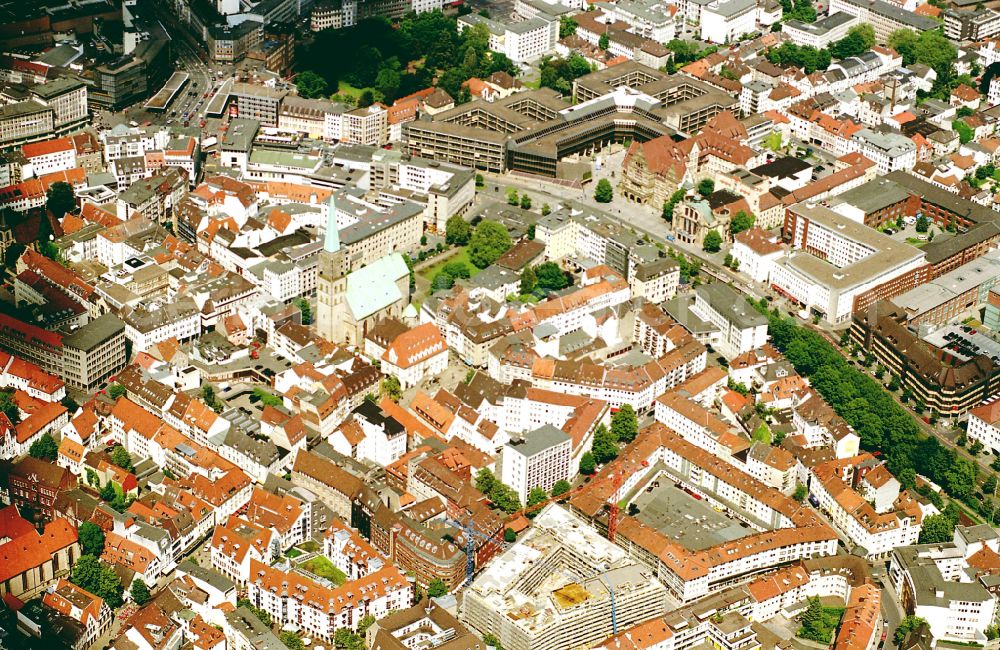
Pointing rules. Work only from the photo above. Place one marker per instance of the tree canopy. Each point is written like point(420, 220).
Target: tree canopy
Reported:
point(99, 579)
point(741, 221)
point(603, 193)
point(712, 242)
point(310, 85)
point(550, 277)
point(398, 60)
point(489, 241)
point(457, 231)
point(881, 423)
point(44, 448)
point(91, 538)
point(625, 424)
point(60, 199)
point(604, 446)
point(139, 592)
point(558, 73)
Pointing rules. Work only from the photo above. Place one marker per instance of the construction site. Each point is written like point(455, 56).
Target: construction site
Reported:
point(562, 585)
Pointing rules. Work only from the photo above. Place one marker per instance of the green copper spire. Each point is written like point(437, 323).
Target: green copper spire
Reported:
point(331, 242)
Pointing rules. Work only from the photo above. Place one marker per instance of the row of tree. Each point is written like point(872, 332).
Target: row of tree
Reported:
point(859, 39)
point(882, 424)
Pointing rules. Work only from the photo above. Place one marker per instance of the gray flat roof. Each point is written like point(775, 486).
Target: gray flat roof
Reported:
point(537, 441)
point(95, 332)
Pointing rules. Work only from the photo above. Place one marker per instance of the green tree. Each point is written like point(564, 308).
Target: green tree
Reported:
point(261, 615)
point(457, 231)
point(366, 99)
point(480, 181)
point(390, 388)
point(604, 193)
point(8, 405)
point(567, 26)
point(458, 269)
point(535, 496)
point(813, 626)
point(121, 458)
point(741, 221)
point(108, 493)
point(587, 463)
point(345, 639)
point(86, 573)
point(546, 211)
point(139, 592)
point(310, 85)
point(366, 622)
point(512, 196)
point(905, 626)
point(91, 539)
point(859, 40)
point(525, 202)
point(489, 241)
point(671, 204)
point(115, 391)
point(964, 131)
point(561, 487)
point(60, 199)
point(492, 641)
point(442, 280)
point(604, 447)
point(305, 309)
point(625, 424)
point(485, 481)
point(550, 277)
point(44, 448)
point(528, 280)
point(509, 535)
point(437, 588)
point(604, 42)
point(801, 492)
point(705, 187)
point(937, 529)
point(923, 223)
point(712, 242)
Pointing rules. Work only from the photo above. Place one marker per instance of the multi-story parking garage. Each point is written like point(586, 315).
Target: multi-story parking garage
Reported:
point(533, 131)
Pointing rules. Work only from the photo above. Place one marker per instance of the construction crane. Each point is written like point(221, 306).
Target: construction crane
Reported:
point(617, 478)
point(541, 504)
point(470, 532)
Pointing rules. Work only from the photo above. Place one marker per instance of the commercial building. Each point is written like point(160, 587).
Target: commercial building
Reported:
point(533, 131)
point(84, 357)
point(520, 41)
point(723, 21)
point(950, 585)
point(951, 294)
point(260, 103)
point(539, 458)
point(884, 17)
point(742, 327)
point(889, 151)
point(949, 385)
point(821, 33)
point(835, 260)
point(975, 24)
point(694, 561)
point(565, 562)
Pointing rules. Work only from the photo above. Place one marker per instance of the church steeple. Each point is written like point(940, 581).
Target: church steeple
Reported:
point(331, 242)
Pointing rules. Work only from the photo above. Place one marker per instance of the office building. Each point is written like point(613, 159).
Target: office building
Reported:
point(539, 458)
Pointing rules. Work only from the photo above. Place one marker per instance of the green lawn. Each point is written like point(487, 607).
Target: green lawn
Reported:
point(461, 256)
point(293, 553)
point(345, 88)
point(324, 568)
